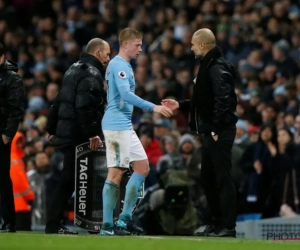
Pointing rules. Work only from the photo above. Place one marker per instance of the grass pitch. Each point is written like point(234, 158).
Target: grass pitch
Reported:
point(39, 241)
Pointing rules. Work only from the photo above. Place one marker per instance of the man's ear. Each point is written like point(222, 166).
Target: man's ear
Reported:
point(98, 55)
point(2, 57)
point(98, 52)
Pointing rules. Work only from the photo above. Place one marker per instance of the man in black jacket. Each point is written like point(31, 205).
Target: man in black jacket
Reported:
point(12, 98)
point(212, 111)
point(74, 118)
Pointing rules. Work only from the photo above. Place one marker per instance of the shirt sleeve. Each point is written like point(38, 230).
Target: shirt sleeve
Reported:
point(121, 75)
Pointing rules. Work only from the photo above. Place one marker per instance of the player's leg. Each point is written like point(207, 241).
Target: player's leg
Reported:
point(115, 151)
point(141, 169)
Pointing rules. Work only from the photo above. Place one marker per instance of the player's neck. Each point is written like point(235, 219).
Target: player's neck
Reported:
point(124, 56)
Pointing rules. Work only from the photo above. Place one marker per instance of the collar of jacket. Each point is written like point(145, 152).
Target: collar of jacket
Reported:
point(9, 65)
point(214, 53)
point(90, 59)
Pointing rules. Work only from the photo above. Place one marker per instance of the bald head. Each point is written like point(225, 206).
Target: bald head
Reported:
point(205, 36)
point(94, 44)
point(203, 41)
point(100, 49)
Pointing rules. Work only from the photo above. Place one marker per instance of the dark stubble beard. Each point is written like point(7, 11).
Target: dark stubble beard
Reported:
point(199, 57)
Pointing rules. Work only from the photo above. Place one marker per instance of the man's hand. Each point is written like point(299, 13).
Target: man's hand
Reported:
point(163, 110)
point(170, 103)
point(258, 166)
point(95, 143)
point(215, 137)
point(272, 149)
point(5, 140)
point(49, 138)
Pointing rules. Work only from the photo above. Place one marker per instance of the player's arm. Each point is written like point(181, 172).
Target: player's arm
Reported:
point(122, 82)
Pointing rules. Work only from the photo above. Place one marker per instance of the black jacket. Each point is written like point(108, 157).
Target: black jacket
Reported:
point(77, 111)
point(214, 101)
point(12, 97)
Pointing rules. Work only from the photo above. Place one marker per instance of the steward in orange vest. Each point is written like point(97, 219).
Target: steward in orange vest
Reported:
point(23, 194)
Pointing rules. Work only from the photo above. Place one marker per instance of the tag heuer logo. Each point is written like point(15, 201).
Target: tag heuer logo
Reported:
point(122, 74)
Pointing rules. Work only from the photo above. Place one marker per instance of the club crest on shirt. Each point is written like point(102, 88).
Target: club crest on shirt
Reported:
point(122, 74)
point(127, 160)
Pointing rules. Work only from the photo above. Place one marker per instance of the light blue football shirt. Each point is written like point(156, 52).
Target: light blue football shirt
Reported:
point(120, 96)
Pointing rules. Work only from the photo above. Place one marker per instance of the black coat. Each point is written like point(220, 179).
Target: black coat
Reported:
point(77, 111)
point(213, 104)
point(12, 97)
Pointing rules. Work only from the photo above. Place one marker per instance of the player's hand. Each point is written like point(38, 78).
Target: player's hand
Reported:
point(170, 103)
point(95, 143)
point(163, 110)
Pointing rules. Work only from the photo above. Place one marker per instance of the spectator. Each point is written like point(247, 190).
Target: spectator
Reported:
point(242, 138)
point(151, 145)
point(162, 127)
point(258, 182)
point(281, 57)
point(37, 177)
point(284, 189)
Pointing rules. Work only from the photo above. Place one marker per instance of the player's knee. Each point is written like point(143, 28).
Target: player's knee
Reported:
point(142, 168)
point(115, 175)
point(145, 171)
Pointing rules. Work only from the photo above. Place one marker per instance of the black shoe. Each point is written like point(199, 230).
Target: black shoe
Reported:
point(129, 226)
point(208, 230)
point(61, 230)
point(8, 229)
point(224, 232)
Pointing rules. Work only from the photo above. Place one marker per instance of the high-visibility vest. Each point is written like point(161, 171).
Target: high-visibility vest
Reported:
point(23, 193)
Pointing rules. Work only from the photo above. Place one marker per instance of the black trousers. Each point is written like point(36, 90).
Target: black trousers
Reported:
point(23, 221)
point(218, 184)
point(63, 191)
point(6, 189)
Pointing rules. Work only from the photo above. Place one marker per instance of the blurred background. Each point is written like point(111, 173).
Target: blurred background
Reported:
point(262, 40)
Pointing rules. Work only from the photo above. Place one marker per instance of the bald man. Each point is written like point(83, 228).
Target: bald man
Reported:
point(212, 111)
point(75, 118)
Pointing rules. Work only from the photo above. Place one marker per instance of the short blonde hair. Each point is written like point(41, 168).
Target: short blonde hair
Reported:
point(129, 34)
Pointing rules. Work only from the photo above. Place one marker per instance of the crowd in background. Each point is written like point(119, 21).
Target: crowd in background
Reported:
point(261, 39)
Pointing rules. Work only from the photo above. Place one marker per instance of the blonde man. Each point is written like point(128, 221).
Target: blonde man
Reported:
point(122, 143)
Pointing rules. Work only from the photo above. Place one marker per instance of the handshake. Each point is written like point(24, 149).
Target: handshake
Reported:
point(167, 107)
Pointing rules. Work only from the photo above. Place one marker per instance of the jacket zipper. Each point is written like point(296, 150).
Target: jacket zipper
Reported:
point(196, 108)
point(196, 121)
